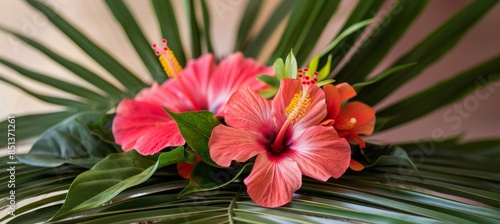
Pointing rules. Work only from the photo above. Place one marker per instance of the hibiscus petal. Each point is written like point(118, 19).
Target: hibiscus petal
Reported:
point(346, 91)
point(228, 143)
point(159, 138)
point(248, 110)
point(315, 113)
point(136, 119)
point(273, 181)
point(171, 97)
point(364, 114)
point(333, 101)
point(232, 73)
point(320, 153)
point(195, 79)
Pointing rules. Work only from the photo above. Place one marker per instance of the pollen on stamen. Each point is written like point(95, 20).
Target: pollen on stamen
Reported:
point(297, 107)
point(167, 59)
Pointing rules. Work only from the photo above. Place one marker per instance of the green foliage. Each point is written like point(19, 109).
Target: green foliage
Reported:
point(137, 38)
point(205, 177)
point(69, 142)
point(428, 51)
point(111, 176)
point(423, 182)
point(196, 128)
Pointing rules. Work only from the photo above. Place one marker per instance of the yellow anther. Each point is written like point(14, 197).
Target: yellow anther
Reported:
point(167, 59)
point(297, 107)
point(170, 64)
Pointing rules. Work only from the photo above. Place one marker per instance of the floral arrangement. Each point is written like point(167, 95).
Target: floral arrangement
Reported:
point(233, 140)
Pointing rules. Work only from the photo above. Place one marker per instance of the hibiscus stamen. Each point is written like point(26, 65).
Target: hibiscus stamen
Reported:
point(297, 107)
point(173, 69)
point(306, 79)
point(167, 59)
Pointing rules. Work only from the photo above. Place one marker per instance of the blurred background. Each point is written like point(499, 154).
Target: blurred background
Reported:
point(474, 117)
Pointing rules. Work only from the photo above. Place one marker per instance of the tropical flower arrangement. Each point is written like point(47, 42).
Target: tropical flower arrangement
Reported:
point(229, 139)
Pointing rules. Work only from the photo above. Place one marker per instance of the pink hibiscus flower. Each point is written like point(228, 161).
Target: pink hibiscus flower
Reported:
point(143, 125)
point(286, 136)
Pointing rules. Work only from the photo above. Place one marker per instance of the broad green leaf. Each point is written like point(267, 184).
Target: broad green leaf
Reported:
point(397, 157)
point(279, 69)
point(290, 66)
point(102, 128)
point(31, 125)
point(137, 38)
point(442, 94)
point(49, 99)
point(169, 29)
point(56, 83)
point(380, 41)
point(364, 10)
point(312, 30)
point(77, 69)
point(194, 31)
point(206, 26)
point(251, 11)
point(270, 80)
point(360, 85)
point(277, 17)
point(205, 177)
point(111, 176)
point(196, 128)
point(122, 74)
point(428, 51)
point(69, 142)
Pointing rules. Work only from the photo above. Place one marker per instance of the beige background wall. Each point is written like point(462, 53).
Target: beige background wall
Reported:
point(92, 16)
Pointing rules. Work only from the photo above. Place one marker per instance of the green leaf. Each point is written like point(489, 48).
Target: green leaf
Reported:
point(270, 80)
point(380, 41)
point(205, 177)
point(102, 128)
point(279, 69)
point(169, 29)
point(31, 125)
point(325, 71)
point(428, 51)
point(194, 31)
point(111, 176)
point(313, 66)
point(206, 25)
point(196, 128)
point(251, 11)
point(49, 99)
point(324, 82)
point(69, 142)
point(137, 38)
point(290, 66)
point(77, 69)
point(129, 80)
point(360, 85)
point(56, 83)
point(442, 94)
point(364, 10)
point(277, 17)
